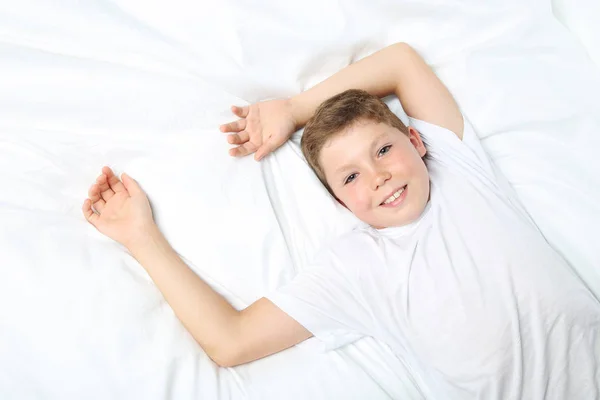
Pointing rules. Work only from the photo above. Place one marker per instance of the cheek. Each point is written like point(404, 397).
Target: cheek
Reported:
point(408, 163)
point(357, 198)
point(419, 168)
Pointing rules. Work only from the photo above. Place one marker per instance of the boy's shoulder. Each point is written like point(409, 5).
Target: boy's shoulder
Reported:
point(447, 152)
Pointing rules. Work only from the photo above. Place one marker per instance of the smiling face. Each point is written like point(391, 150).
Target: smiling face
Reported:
point(377, 172)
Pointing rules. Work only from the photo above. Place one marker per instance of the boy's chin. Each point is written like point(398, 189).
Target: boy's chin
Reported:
point(383, 224)
point(390, 225)
point(407, 219)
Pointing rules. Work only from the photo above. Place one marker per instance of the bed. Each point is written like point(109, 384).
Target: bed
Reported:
point(143, 86)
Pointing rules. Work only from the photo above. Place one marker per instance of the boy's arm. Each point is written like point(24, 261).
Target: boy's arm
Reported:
point(121, 211)
point(397, 69)
point(263, 127)
point(228, 336)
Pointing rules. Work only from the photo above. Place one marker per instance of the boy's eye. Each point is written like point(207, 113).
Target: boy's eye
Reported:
point(384, 150)
point(350, 178)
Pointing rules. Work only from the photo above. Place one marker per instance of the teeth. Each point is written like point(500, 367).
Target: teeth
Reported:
point(394, 196)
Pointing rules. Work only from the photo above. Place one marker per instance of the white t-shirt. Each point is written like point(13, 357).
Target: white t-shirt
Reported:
point(470, 296)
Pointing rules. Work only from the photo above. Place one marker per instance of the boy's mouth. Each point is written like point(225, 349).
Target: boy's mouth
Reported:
point(395, 198)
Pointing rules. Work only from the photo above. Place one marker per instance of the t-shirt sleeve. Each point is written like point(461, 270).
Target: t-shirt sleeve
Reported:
point(467, 154)
point(465, 157)
point(326, 298)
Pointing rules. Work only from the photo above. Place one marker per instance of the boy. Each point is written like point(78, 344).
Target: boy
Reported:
point(448, 269)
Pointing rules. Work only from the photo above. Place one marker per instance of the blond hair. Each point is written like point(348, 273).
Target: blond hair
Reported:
point(337, 114)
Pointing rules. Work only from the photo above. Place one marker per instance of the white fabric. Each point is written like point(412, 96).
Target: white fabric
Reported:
point(463, 294)
point(581, 18)
point(142, 86)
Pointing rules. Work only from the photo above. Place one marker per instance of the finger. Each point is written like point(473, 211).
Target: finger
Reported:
point(241, 112)
point(265, 149)
point(88, 213)
point(113, 181)
point(238, 138)
point(131, 185)
point(243, 150)
point(99, 206)
point(105, 191)
point(94, 193)
point(234, 126)
point(96, 200)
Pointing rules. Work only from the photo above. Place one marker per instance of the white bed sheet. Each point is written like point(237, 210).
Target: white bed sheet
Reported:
point(142, 87)
point(580, 17)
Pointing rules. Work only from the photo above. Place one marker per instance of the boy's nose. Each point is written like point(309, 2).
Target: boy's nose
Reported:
point(381, 177)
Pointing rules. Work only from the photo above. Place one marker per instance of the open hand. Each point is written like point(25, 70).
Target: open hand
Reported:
point(121, 210)
point(262, 127)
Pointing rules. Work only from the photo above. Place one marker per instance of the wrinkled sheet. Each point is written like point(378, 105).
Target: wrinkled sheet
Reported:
point(143, 86)
point(580, 17)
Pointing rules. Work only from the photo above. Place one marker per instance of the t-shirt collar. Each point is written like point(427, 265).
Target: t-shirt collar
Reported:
point(404, 229)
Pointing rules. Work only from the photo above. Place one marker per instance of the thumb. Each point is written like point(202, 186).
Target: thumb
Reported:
point(265, 149)
point(131, 185)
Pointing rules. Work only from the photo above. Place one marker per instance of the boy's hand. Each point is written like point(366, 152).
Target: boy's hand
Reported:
point(123, 212)
point(262, 127)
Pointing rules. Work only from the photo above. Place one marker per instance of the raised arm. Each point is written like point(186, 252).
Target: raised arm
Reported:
point(397, 69)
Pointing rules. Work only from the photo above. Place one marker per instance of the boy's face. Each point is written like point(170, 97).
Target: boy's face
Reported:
point(378, 173)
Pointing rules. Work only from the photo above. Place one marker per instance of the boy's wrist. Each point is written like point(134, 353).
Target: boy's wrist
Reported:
point(149, 237)
point(298, 110)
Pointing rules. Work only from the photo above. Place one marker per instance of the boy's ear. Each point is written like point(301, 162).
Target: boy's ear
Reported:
point(415, 138)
